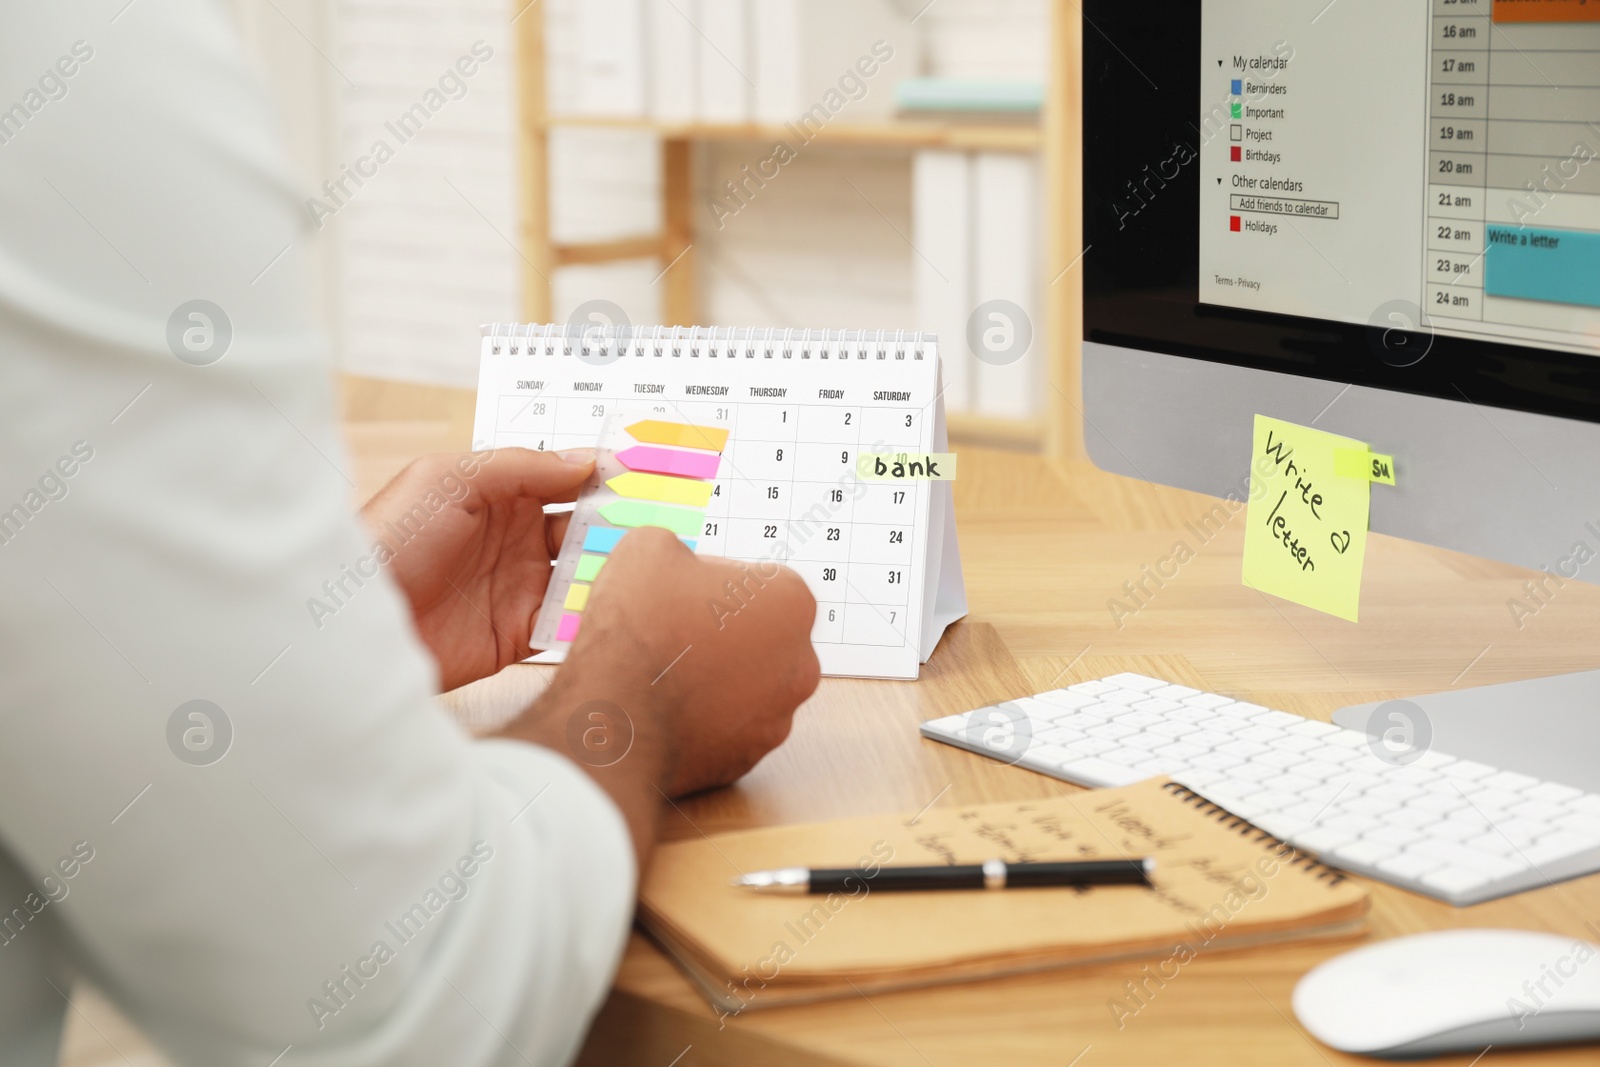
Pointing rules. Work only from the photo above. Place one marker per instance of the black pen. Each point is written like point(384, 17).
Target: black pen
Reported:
point(991, 874)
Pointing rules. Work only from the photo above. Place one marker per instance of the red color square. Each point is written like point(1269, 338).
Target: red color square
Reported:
point(1233, 223)
point(1236, 156)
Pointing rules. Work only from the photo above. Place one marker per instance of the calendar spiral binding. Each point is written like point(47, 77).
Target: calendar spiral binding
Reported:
point(1246, 828)
point(591, 340)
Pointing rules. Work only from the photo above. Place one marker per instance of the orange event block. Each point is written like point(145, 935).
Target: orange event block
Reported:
point(1546, 11)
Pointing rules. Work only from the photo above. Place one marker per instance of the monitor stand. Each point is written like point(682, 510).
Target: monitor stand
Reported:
point(1545, 727)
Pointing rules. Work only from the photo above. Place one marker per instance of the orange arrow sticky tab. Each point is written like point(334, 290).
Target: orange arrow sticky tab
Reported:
point(679, 435)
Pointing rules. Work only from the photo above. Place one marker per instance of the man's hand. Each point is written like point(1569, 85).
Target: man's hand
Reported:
point(687, 671)
point(472, 547)
point(723, 651)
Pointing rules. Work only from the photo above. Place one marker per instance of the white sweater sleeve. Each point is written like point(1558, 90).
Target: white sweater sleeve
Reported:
point(322, 861)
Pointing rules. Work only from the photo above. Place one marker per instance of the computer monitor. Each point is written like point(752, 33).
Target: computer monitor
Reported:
point(1381, 218)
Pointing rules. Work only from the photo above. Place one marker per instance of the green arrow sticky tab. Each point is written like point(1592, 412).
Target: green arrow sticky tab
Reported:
point(632, 513)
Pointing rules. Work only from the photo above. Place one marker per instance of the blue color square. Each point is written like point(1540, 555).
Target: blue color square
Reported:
point(602, 540)
point(1551, 266)
point(1238, 87)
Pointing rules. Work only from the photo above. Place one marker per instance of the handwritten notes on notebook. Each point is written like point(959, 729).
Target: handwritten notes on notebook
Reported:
point(1218, 881)
point(1310, 495)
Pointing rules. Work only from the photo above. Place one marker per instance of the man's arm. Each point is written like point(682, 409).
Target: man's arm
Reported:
point(475, 568)
point(325, 862)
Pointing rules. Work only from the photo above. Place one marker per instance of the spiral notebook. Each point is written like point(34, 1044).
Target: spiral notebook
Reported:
point(1220, 883)
point(800, 407)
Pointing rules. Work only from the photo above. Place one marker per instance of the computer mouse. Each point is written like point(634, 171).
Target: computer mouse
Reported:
point(1454, 991)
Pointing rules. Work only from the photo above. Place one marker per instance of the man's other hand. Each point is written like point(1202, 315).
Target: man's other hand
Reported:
point(720, 650)
point(472, 547)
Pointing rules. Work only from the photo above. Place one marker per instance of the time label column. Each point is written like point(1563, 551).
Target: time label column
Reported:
point(1458, 134)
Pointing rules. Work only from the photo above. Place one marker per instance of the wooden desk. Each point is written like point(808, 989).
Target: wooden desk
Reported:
point(1045, 546)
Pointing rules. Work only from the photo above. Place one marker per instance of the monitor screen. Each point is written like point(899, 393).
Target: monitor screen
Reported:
point(1402, 193)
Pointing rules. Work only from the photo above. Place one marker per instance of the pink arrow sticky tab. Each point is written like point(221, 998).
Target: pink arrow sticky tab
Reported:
point(666, 461)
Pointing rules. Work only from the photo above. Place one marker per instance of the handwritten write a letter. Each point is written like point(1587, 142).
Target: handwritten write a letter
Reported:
point(1306, 538)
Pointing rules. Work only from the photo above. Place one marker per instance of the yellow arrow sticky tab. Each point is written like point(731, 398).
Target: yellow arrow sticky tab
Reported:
point(906, 467)
point(662, 488)
point(1306, 528)
point(1359, 463)
point(679, 434)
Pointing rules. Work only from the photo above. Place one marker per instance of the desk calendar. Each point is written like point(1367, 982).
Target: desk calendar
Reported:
point(799, 406)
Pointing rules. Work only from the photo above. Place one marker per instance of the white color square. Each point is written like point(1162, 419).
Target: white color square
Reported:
point(890, 545)
point(886, 504)
point(886, 627)
point(829, 626)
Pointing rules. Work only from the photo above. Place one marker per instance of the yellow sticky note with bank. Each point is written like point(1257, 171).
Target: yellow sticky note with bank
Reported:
point(906, 466)
point(1310, 500)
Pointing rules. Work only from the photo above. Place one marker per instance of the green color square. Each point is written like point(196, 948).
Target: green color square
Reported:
point(1238, 111)
point(588, 568)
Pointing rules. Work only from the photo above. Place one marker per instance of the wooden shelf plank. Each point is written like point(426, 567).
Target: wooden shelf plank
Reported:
point(1019, 137)
point(645, 246)
point(681, 290)
point(1022, 435)
point(1063, 207)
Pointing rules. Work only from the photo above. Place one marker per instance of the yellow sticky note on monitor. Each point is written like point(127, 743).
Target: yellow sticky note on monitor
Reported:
point(1306, 530)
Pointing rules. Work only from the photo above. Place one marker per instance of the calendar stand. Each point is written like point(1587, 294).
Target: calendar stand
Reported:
point(880, 557)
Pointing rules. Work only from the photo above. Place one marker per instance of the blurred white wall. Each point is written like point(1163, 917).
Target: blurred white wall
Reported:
point(825, 245)
point(426, 249)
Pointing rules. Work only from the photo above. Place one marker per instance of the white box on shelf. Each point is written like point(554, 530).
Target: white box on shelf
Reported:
point(612, 67)
point(844, 55)
point(727, 61)
point(674, 47)
point(1010, 374)
point(941, 207)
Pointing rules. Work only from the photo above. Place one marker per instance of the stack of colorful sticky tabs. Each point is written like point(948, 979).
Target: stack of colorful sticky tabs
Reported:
point(666, 481)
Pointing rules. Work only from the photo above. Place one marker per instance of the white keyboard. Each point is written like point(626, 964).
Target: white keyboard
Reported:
point(1460, 831)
